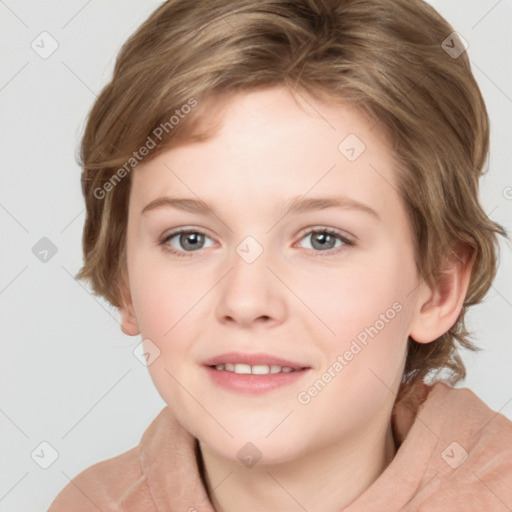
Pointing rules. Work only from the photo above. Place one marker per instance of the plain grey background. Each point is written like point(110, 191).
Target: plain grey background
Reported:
point(69, 377)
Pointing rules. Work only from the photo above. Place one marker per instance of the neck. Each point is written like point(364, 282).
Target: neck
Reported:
point(326, 480)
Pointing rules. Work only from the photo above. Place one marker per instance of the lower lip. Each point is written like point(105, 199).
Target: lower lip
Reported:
point(253, 384)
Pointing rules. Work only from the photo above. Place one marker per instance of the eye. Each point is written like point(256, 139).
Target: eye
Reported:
point(325, 240)
point(186, 240)
point(183, 241)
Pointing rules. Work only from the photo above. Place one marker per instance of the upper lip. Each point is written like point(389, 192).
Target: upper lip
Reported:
point(253, 359)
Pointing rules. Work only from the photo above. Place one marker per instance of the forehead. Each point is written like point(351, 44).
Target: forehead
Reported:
point(271, 147)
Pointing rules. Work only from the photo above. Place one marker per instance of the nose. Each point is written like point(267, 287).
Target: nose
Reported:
point(251, 294)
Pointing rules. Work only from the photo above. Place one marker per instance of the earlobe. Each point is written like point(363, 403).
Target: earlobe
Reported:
point(129, 324)
point(439, 306)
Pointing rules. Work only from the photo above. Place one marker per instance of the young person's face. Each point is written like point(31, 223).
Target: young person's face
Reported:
point(254, 280)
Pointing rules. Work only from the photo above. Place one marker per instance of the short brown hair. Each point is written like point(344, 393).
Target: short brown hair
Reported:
point(384, 56)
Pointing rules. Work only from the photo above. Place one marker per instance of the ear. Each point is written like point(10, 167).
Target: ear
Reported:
point(439, 306)
point(128, 319)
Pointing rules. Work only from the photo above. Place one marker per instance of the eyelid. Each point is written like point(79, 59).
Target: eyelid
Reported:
point(344, 235)
point(182, 230)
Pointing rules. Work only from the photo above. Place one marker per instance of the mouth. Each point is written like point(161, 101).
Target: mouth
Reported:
point(257, 369)
point(256, 364)
point(253, 373)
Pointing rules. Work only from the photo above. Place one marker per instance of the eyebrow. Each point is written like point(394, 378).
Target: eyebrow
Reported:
point(295, 205)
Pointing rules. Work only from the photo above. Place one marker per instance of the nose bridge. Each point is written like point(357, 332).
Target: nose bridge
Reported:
point(250, 291)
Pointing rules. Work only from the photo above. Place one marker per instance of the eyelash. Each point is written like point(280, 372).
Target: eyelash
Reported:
point(188, 254)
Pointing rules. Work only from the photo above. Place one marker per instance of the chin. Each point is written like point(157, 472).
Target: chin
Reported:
point(250, 447)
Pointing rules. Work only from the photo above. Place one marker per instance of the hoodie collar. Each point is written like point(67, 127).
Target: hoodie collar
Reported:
point(448, 440)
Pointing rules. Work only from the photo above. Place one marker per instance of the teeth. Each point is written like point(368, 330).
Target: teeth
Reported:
point(257, 369)
point(260, 369)
point(242, 368)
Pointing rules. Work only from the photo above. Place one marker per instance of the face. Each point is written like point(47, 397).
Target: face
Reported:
point(280, 243)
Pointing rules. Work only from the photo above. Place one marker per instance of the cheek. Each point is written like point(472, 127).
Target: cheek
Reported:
point(163, 295)
point(368, 312)
point(165, 303)
point(169, 302)
point(369, 296)
point(363, 368)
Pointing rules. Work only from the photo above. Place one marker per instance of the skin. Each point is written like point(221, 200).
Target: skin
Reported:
point(297, 300)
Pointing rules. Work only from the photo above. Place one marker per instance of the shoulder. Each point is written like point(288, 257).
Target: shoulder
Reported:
point(472, 459)
point(118, 484)
point(114, 484)
point(447, 406)
point(463, 406)
point(461, 413)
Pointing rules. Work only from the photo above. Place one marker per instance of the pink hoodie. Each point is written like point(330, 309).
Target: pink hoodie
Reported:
point(455, 455)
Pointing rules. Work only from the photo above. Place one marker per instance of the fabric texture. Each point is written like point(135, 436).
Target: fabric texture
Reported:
point(455, 454)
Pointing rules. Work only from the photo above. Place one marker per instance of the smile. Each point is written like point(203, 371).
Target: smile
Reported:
point(257, 369)
point(254, 374)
